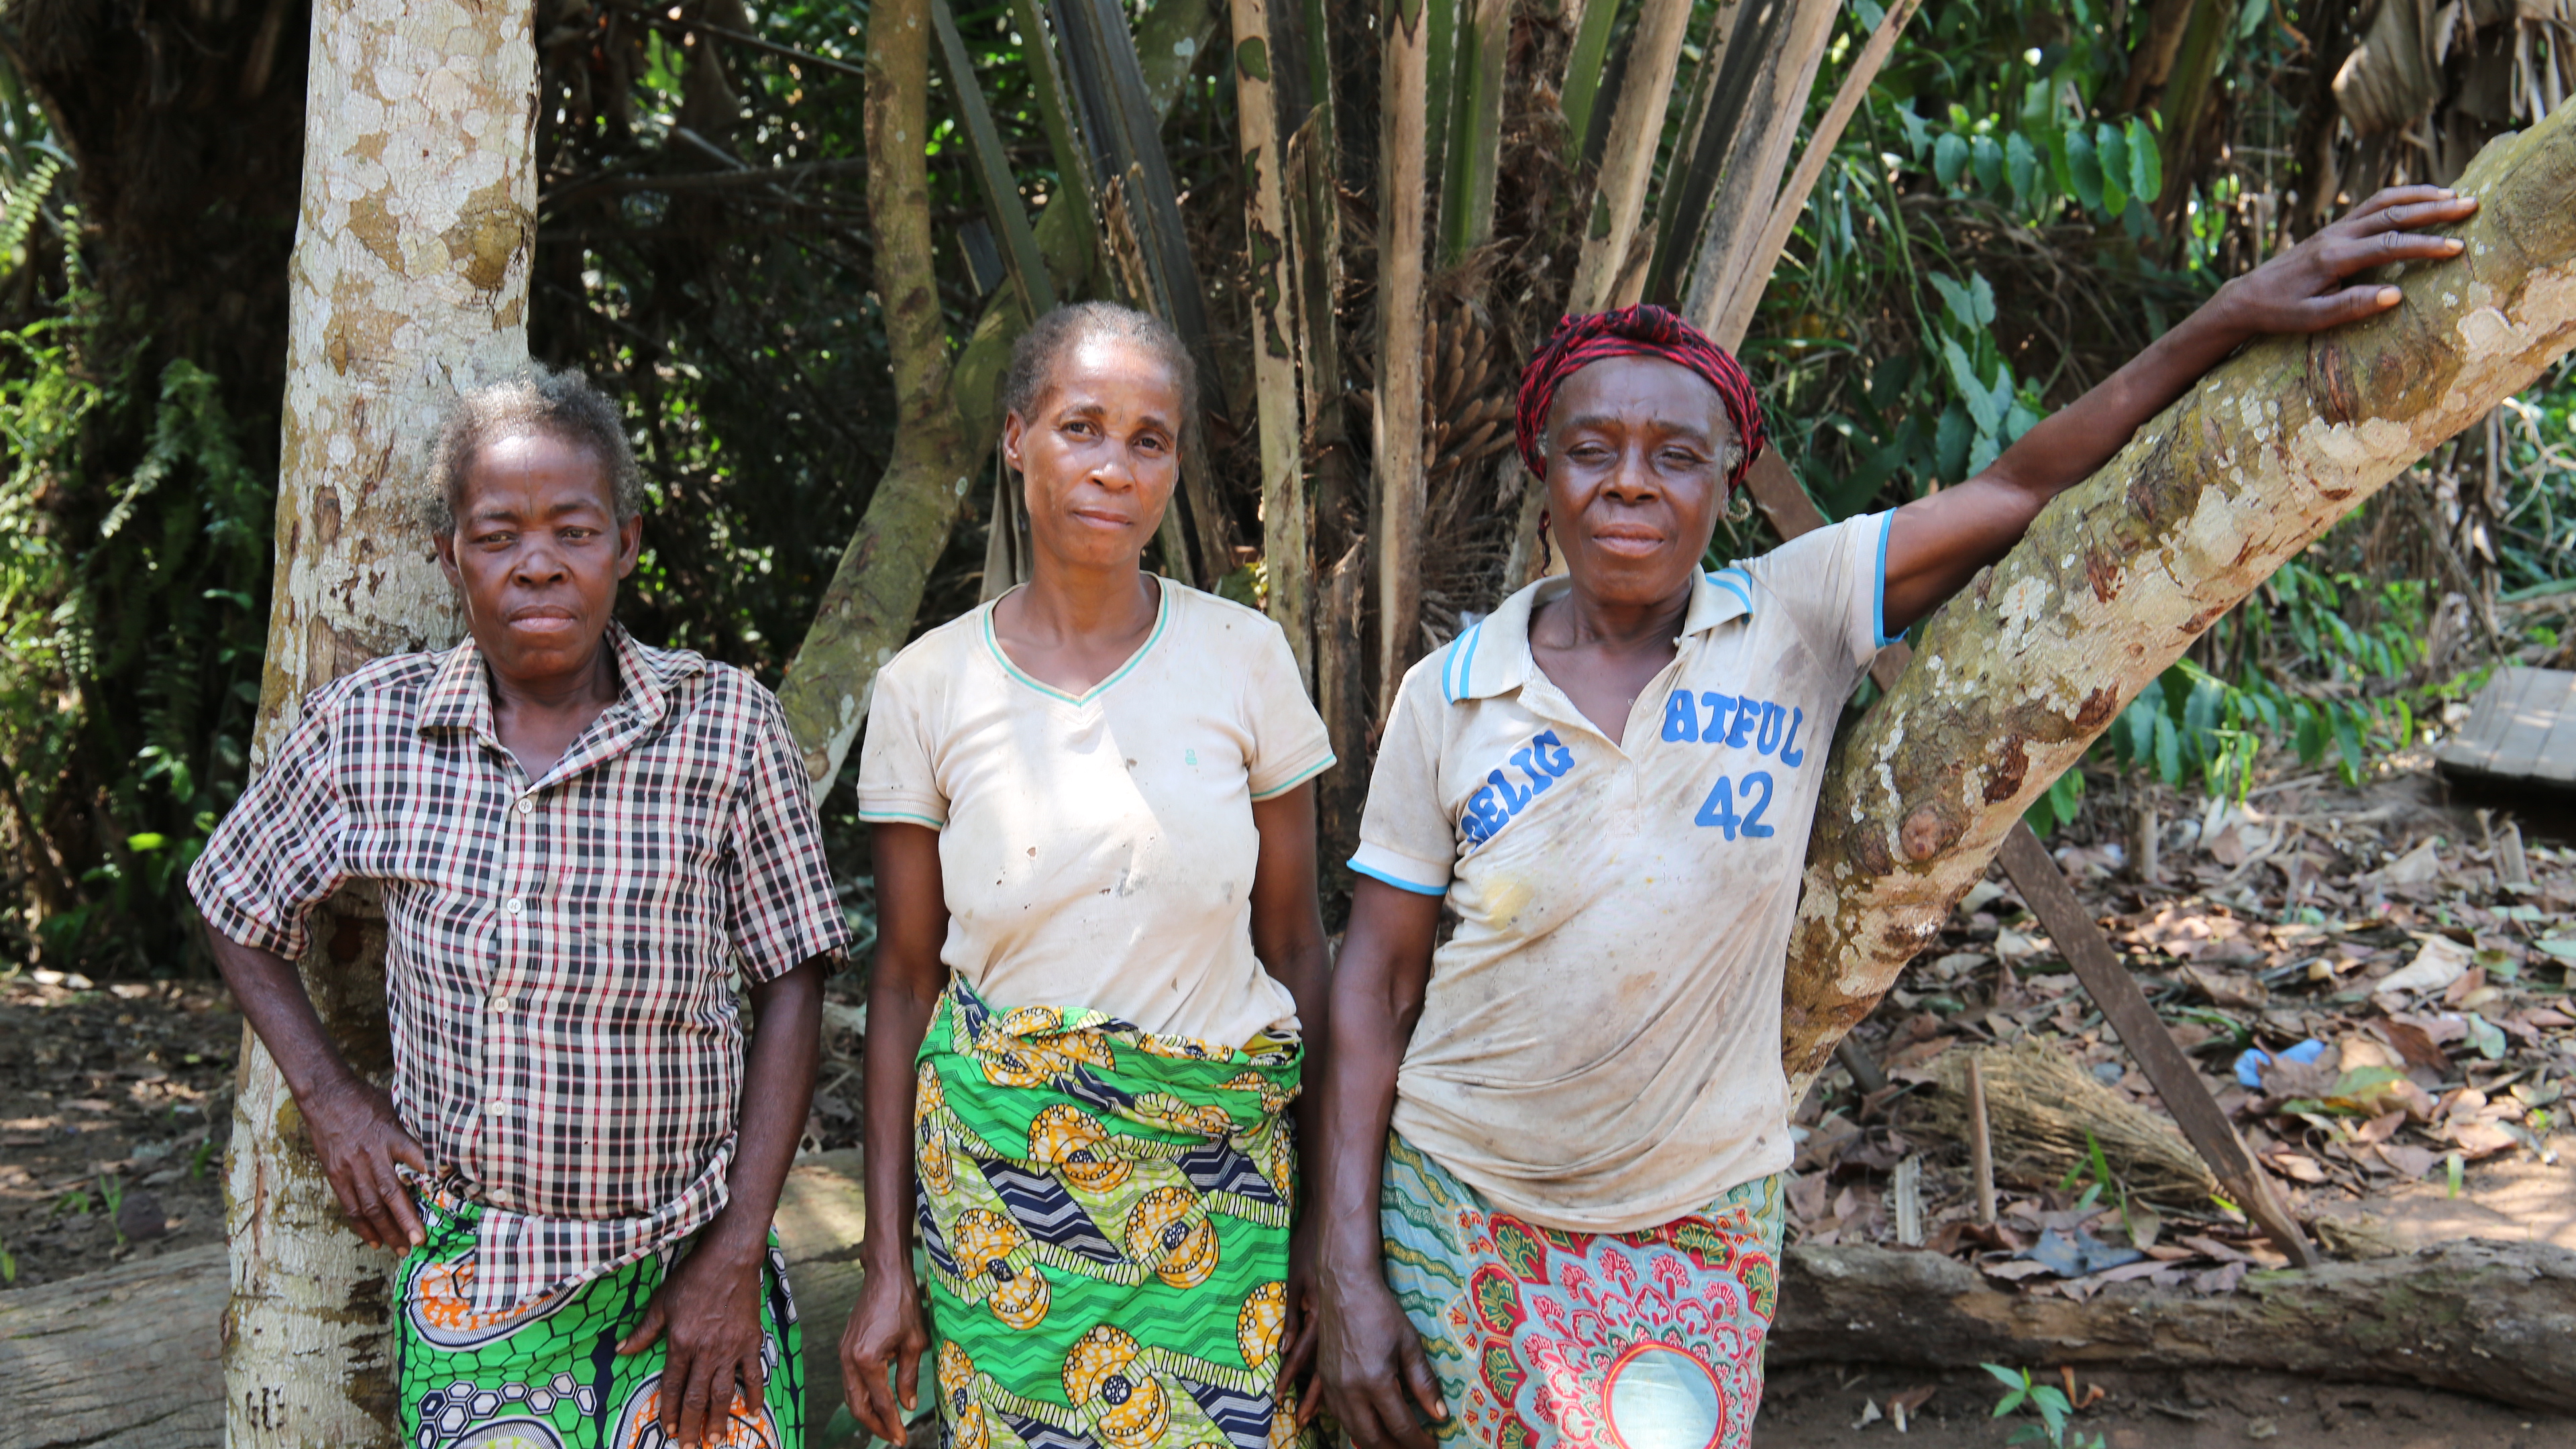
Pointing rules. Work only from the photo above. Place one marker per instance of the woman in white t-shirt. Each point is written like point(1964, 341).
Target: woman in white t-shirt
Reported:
point(1551, 1177)
point(1098, 960)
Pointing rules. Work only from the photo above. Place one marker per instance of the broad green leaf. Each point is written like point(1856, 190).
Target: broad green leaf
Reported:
point(1917, 134)
point(1981, 406)
point(2083, 170)
point(1869, 13)
point(2563, 948)
point(1988, 158)
point(1887, 381)
point(2111, 147)
point(2059, 168)
point(1957, 300)
point(2146, 165)
point(2486, 1036)
point(1982, 292)
point(2255, 10)
point(2347, 733)
point(2020, 418)
point(2023, 164)
point(2012, 1379)
point(1988, 447)
point(1949, 156)
point(1950, 443)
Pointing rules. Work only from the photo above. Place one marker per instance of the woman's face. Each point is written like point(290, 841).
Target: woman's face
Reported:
point(1099, 452)
point(1634, 476)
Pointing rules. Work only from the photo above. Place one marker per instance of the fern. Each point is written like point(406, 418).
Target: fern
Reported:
point(20, 208)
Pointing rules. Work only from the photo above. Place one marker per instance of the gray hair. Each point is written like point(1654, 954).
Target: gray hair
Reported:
point(561, 404)
point(1035, 355)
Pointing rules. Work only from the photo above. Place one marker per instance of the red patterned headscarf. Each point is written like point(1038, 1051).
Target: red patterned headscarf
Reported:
point(1641, 331)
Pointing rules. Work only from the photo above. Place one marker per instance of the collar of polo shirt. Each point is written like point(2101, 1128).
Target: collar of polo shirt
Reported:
point(1493, 656)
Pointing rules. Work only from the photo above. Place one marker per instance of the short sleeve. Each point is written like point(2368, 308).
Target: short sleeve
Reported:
point(780, 908)
point(1289, 743)
point(1833, 582)
point(896, 782)
point(1406, 838)
point(278, 853)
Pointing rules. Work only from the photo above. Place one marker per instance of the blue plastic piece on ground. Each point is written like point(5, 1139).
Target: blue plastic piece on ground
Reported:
point(2249, 1063)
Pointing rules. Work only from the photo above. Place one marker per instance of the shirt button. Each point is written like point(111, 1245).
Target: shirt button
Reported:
point(527, 806)
point(498, 1109)
point(512, 905)
point(501, 1002)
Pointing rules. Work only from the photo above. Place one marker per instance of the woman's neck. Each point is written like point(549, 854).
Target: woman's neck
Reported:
point(1577, 619)
point(1066, 601)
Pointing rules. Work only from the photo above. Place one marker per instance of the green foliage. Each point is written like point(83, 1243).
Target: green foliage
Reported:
point(2535, 539)
point(2023, 1391)
point(132, 609)
point(2311, 679)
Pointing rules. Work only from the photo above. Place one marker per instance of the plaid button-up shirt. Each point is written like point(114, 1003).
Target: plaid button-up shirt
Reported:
point(560, 954)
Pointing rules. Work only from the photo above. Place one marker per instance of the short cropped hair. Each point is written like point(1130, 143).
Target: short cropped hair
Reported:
point(1035, 356)
point(561, 404)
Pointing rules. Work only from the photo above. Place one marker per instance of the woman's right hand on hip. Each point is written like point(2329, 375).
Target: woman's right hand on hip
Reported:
point(885, 1330)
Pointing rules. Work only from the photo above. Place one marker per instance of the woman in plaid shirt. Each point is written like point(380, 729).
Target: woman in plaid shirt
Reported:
point(579, 843)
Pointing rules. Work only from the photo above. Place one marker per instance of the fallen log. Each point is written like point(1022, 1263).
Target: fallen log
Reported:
point(131, 1358)
point(2476, 1317)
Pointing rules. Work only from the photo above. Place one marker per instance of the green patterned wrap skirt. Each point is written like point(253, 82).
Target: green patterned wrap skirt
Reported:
point(545, 1374)
point(1106, 1215)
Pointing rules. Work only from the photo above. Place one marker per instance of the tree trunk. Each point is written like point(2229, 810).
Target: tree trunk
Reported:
point(2015, 678)
point(1289, 570)
point(2482, 1318)
point(408, 283)
point(942, 439)
point(868, 611)
point(1396, 475)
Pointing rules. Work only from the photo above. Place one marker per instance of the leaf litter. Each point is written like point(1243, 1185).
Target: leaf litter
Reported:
point(2373, 983)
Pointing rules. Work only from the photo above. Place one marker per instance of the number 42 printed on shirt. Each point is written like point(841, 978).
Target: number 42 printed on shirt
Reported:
point(1738, 722)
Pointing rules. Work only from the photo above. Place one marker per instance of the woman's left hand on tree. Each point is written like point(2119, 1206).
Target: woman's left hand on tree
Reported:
point(2308, 287)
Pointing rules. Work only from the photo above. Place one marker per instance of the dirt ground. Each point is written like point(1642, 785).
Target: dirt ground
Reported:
point(115, 1100)
point(1808, 1408)
point(114, 1105)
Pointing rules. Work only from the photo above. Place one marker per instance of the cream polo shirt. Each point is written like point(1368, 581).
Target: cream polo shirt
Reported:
point(1098, 850)
point(1599, 1049)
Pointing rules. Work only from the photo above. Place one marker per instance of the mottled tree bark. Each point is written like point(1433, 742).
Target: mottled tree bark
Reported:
point(2017, 676)
point(408, 283)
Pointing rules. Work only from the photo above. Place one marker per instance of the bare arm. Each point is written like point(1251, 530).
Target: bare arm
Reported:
point(1939, 542)
point(709, 1306)
point(885, 1326)
point(1370, 1354)
point(351, 1120)
point(1288, 936)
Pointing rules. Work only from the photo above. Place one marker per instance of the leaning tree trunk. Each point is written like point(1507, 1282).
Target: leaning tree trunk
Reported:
point(945, 434)
point(2015, 678)
point(409, 282)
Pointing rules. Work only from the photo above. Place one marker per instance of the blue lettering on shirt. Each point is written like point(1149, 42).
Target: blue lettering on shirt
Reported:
point(1509, 788)
point(1737, 722)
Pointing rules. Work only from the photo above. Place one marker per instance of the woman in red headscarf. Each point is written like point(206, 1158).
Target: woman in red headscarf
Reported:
point(1551, 1173)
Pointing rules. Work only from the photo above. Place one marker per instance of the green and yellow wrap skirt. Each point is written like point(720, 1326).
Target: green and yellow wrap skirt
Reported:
point(1106, 1215)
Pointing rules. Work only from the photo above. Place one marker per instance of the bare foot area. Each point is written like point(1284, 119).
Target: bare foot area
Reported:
point(1851, 1407)
point(115, 1103)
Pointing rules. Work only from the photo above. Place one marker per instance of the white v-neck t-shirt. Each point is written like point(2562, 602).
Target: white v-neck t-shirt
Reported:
point(1098, 850)
point(1599, 1045)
